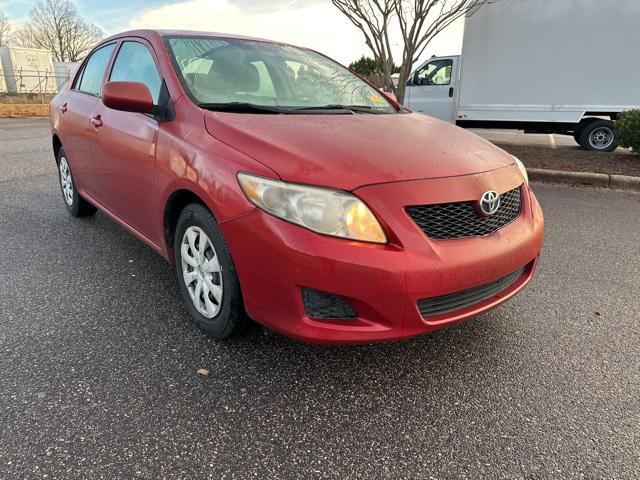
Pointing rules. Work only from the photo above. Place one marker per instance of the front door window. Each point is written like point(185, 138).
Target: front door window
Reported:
point(134, 63)
point(437, 72)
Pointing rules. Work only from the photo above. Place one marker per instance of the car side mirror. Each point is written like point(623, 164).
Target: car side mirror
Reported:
point(127, 97)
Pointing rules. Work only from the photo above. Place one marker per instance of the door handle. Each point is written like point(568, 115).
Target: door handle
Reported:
point(96, 121)
point(450, 91)
point(64, 107)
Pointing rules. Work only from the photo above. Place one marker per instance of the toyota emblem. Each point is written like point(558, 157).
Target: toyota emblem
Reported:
point(490, 202)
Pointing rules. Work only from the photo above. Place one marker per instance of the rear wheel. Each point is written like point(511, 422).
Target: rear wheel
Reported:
point(599, 136)
point(76, 205)
point(206, 274)
point(576, 134)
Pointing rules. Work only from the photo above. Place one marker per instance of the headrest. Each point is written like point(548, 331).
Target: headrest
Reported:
point(230, 75)
point(247, 78)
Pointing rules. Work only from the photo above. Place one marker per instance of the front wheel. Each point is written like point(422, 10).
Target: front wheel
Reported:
point(599, 136)
point(206, 274)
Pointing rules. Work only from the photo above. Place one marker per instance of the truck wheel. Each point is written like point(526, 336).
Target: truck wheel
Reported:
point(576, 134)
point(599, 136)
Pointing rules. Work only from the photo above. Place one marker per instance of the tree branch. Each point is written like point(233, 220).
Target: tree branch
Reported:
point(419, 22)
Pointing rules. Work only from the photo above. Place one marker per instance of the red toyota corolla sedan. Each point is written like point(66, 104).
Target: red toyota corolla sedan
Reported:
point(287, 190)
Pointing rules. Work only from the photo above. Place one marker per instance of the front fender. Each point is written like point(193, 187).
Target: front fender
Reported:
point(205, 167)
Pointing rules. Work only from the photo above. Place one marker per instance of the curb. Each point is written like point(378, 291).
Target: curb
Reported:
point(622, 182)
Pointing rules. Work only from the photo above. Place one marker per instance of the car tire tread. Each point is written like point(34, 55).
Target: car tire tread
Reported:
point(232, 319)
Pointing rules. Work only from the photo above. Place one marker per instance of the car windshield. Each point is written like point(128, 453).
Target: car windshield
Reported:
point(249, 76)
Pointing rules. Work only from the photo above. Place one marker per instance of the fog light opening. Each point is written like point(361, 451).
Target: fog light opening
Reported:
point(326, 306)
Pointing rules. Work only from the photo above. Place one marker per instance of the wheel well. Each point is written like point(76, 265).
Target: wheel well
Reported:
point(610, 115)
point(589, 119)
point(175, 205)
point(585, 121)
point(57, 145)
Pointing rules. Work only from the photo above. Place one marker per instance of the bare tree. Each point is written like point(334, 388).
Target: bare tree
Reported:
point(5, 29)
point(417, 21)
point(55, 25)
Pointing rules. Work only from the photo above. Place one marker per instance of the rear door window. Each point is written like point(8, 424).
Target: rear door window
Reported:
point(90, 79)
point(134, 63)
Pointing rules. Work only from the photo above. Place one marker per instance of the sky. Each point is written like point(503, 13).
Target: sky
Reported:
point(311, 23)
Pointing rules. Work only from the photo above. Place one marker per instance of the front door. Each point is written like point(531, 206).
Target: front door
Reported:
point(432, 89)
point(125, 147)
point(76, 108)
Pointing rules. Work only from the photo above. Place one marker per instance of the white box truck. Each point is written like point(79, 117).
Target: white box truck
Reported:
point(543, 66)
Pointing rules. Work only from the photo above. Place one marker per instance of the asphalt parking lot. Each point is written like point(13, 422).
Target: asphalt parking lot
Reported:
point(98, 362)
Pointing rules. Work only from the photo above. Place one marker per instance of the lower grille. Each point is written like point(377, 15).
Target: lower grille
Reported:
point(446, 221)
point(326, 306)
point(456, 301)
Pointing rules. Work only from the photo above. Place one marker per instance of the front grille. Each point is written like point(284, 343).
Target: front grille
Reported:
point(461, 219)
point(326, 306)
point(456, 301)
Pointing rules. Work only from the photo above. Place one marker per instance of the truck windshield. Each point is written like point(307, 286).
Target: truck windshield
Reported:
point(247, 76)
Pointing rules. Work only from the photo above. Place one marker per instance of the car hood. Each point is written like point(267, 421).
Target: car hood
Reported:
point(349, 151)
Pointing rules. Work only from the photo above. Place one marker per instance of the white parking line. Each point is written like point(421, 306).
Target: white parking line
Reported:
point(552, 140)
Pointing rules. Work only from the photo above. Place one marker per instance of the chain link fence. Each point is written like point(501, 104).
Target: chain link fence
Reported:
point(32, 83)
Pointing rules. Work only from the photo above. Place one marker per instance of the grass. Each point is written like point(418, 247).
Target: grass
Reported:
point(26, 98)
point(24, 110)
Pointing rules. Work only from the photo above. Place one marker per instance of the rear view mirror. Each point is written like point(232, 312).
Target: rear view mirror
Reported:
point(127, 97)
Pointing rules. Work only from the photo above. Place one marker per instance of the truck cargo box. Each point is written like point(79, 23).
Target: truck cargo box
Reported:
point(550, 60)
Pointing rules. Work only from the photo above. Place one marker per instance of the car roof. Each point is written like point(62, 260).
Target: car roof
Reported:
point(146, 33)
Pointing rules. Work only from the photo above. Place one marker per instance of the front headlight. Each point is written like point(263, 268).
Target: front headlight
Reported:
point(522, 168)
point(331, 212)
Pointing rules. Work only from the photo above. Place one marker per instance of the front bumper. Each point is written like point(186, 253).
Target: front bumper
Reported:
point(275, 260)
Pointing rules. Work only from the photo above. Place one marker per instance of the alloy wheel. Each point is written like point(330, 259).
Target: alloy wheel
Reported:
point(201, 271)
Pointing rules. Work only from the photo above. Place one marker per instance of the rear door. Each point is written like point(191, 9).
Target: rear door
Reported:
point(432, 90)
point(76, 108)
point(125, 147)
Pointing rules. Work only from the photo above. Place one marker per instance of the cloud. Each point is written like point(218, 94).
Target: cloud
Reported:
point(316, 24)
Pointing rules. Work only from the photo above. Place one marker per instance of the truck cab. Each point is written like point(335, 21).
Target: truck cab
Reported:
point(514, 71)
point(432, 88)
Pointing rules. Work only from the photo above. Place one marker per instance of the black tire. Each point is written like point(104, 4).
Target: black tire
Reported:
point(76, 205)
point(588, 140)
point(576, 134)
point(231, 318)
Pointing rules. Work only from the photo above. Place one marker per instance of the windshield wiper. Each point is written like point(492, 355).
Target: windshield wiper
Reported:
point(246, 107)
point(240, 107)
point(337, 106)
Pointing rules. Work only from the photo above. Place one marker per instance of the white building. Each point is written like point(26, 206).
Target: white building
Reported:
point(26, 70)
